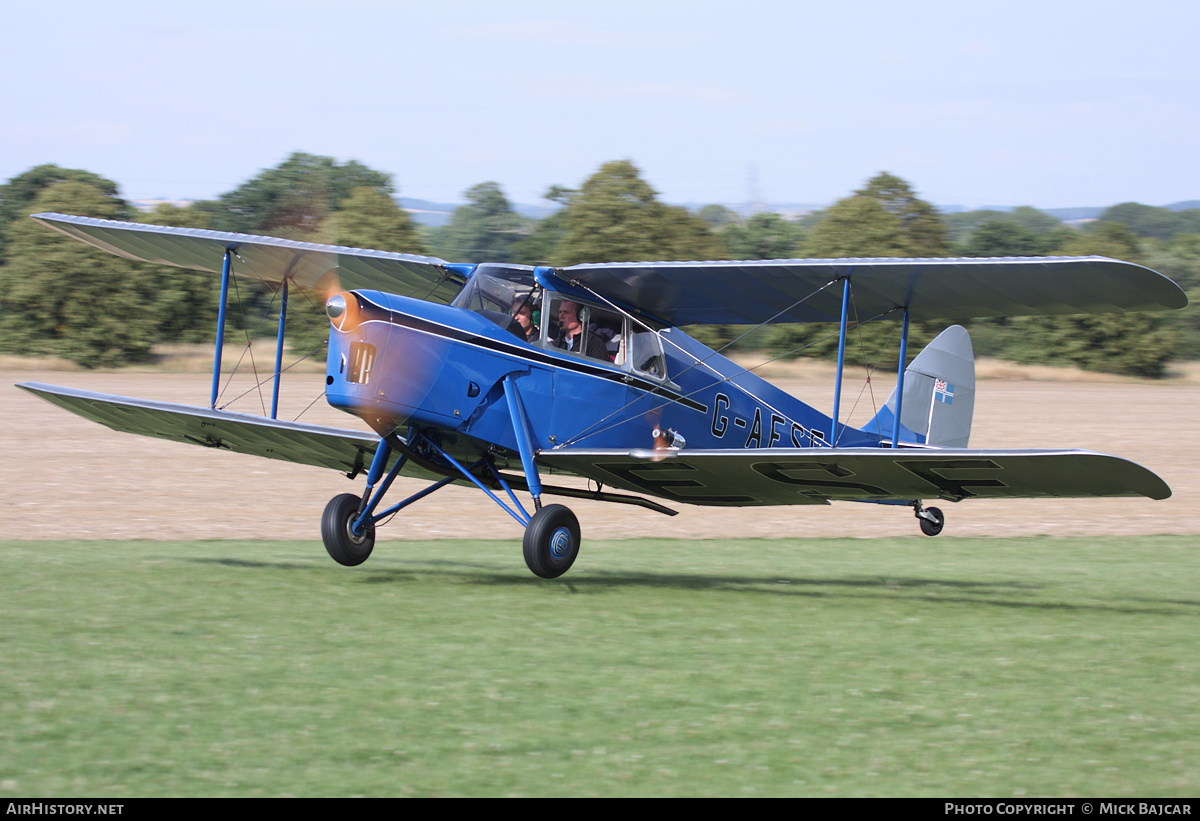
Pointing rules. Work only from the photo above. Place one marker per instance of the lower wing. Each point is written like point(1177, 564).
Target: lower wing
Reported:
point(346, 450)
point(820, 475)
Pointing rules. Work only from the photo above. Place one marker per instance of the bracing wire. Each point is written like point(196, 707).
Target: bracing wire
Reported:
point(292, 311)
point(600, 427)
point(867, 386)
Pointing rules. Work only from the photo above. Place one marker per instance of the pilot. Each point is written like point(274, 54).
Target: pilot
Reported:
point(522, 311)
point(572, 332)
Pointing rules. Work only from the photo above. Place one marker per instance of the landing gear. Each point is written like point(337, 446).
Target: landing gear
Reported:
point(343, 545)
point(551, 534)
point(932, 520)
point(551, 541)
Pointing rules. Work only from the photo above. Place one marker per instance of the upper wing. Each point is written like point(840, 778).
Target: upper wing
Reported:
point(267, 258)
point(681, 293)
point(348, 451)
point(798, 476)
point(794, 290)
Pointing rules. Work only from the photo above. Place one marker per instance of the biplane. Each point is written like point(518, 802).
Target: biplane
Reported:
point(508, 377)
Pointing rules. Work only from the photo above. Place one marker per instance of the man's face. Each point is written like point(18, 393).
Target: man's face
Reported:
point(568, 316)
point(525, 317)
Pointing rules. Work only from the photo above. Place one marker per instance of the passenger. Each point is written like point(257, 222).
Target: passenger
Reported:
point(522, 311)
point(572, 331)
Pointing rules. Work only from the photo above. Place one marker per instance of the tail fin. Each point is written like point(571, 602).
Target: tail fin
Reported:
point(939, 394)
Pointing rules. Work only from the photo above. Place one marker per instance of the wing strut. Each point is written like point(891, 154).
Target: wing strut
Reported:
point(283, 306)
point(276, 377)
point(841, 361)
point(216, 382)
point(900, 380)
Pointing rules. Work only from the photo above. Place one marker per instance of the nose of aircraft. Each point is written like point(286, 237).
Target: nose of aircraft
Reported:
point(343, 310)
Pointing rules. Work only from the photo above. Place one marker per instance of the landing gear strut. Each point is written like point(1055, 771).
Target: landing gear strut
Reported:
point(348, 526)
point(551, 534)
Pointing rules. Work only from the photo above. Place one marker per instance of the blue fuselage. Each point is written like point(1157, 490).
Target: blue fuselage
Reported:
point(440, 368)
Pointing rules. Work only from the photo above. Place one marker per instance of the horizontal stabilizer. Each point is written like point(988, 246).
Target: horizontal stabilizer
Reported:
point(345, 450)
point(268, 259)
point(798, 476)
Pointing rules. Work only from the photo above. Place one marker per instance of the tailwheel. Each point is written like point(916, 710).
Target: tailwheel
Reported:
point(551, 541)
point(342, 544)
point(932, 520)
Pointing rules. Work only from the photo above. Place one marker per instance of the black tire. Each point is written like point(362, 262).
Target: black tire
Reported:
point(932, 528)
point(342, 545)
point(551, 541)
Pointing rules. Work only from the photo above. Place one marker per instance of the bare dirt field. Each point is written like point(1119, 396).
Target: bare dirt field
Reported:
point(67, 478)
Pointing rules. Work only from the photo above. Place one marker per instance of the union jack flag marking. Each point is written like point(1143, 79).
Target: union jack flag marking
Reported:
point(943, 391)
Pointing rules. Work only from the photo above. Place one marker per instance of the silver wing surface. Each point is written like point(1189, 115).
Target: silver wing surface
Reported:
point(347, 451)
point(800, 476)
point(799, 290)
point(268, 259)
point(681, 293)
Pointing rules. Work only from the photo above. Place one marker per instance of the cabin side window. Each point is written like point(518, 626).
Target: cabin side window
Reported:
point(646, 354)
point(584, 329)
point(601, 333)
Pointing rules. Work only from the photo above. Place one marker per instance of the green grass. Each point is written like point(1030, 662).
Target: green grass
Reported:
point(948, 667)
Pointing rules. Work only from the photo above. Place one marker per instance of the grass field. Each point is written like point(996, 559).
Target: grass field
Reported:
point(955, 667)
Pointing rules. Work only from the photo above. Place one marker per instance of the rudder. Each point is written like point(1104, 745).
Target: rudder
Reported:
point(939, 394)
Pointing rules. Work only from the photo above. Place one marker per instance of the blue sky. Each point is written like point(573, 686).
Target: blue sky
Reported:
point(1051, 104)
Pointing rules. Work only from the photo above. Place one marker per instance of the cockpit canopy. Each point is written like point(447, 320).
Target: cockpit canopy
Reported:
point(512, 298)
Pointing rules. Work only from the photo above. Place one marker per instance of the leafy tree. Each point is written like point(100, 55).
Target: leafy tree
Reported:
point(616, 217)
point(857, 226)
point(370, 218)
point(764, 236)
point(486, 229)
point(1051, 230)
point(63, 298)
point(1134, 344)
point(294, 199)
point(920, 224)
point(184, 302)
point(1039, 222)
point(718, 216)
point(884, 218)
point(1180, 260)
point(1151, 221)
point(18, 194)
point(538, 246)
point(960, 225)
point(1003, 238)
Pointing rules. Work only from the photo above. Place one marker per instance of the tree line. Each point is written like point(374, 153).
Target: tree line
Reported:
point(59, 297)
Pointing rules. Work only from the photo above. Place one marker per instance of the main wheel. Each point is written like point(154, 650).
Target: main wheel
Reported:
point(932, 528)
point(340, 542)
point(551, 541)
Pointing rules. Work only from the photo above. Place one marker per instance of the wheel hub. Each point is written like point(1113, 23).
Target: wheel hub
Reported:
point(560, 543)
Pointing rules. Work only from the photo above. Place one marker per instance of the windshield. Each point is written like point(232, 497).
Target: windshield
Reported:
point(484, 292)
point(512, 303)
point(515, 301)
